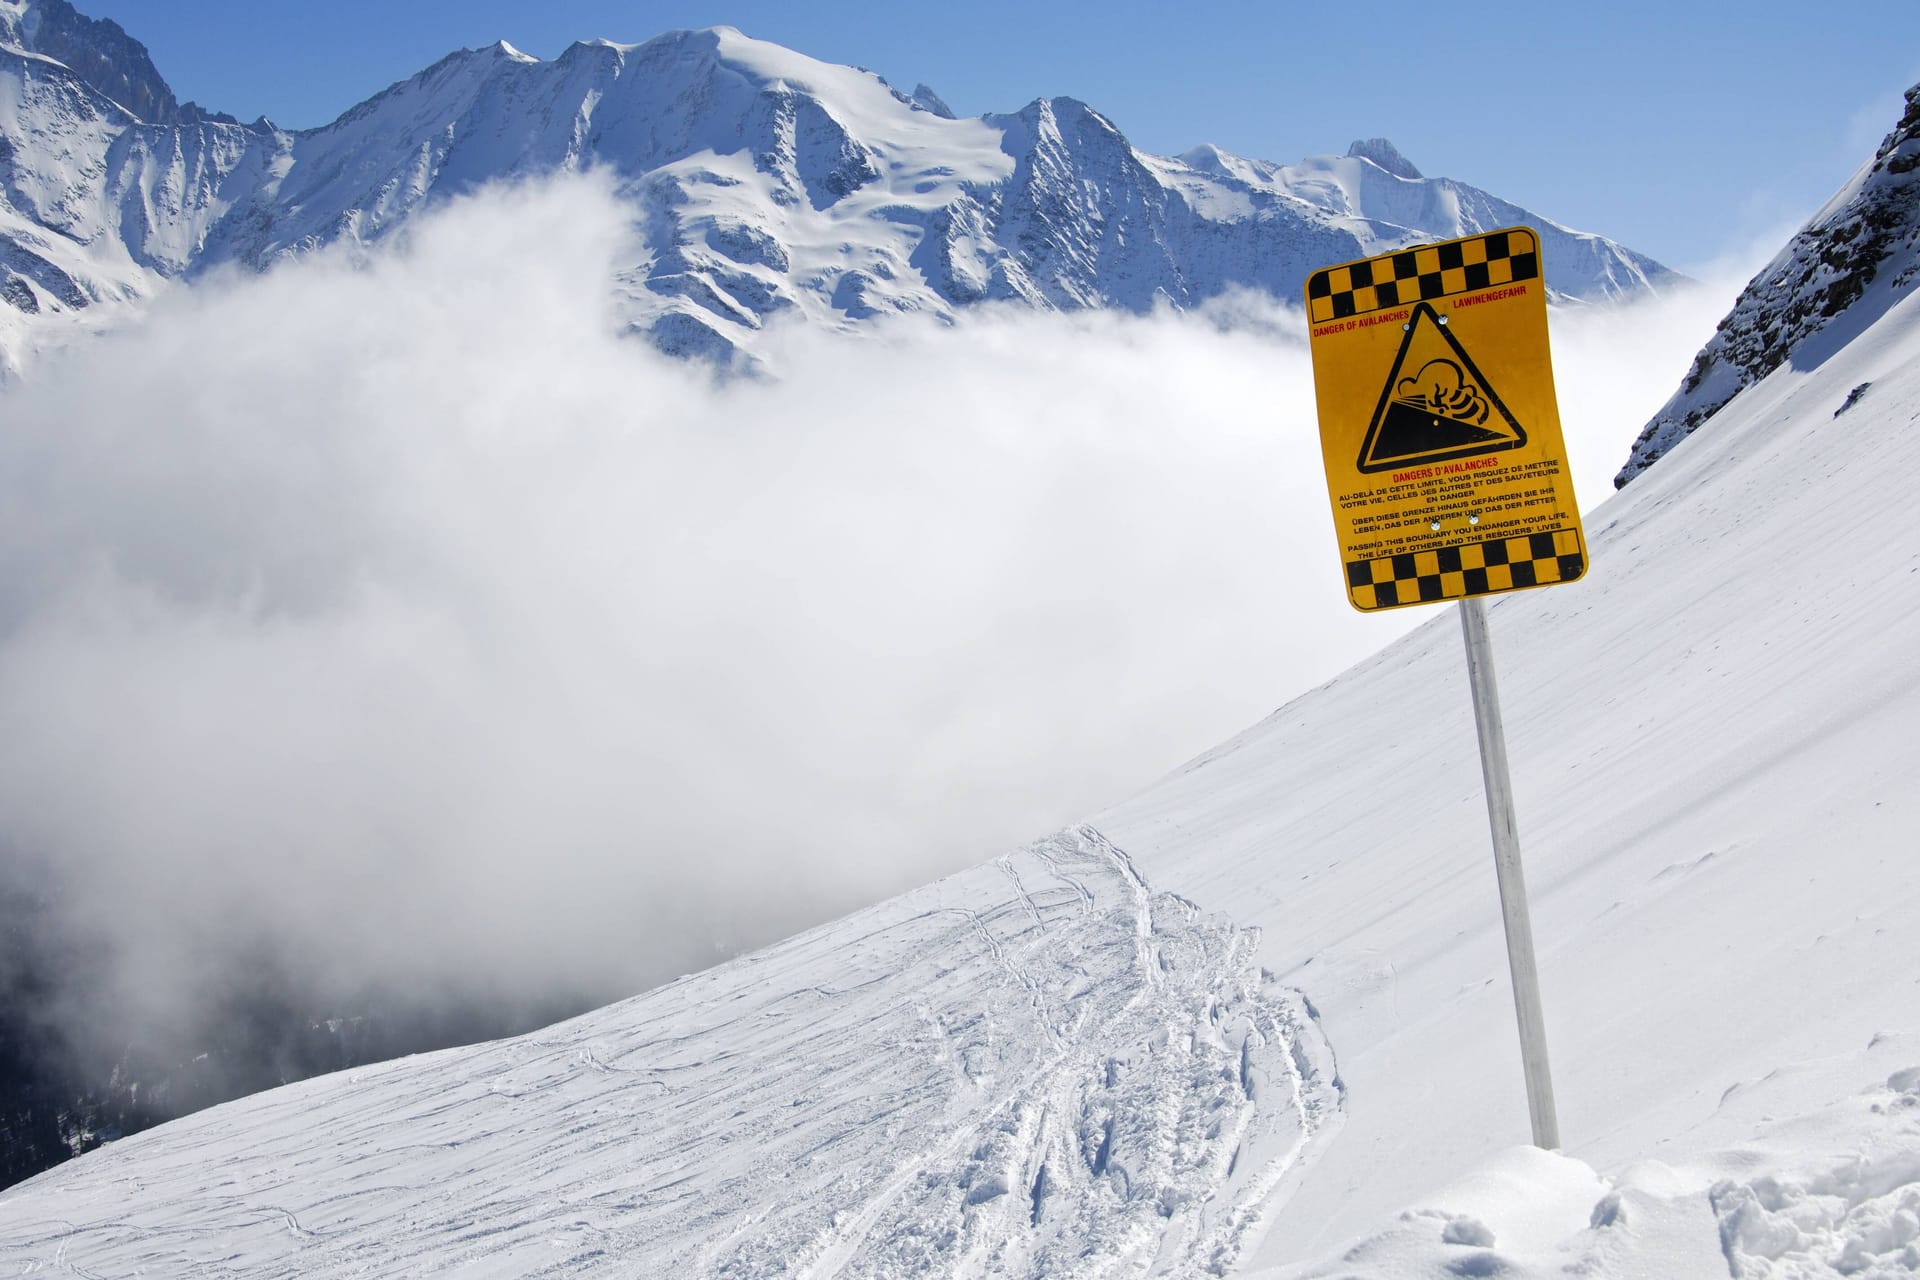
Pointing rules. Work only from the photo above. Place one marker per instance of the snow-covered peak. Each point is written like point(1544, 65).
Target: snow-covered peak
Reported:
point(1059, 122)
point(924, 97)
point(760, 64)
point(765, 182)
point(1218, 163)
point(97, 50)
point(1386, 155)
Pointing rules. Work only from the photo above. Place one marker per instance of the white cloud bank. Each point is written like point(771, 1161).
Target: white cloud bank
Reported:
point(398, 620)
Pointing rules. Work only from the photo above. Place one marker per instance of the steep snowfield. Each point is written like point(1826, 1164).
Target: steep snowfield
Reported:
point(1114, 1053)
point(1713, 748)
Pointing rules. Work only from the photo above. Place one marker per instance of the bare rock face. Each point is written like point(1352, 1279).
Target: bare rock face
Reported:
point(1852, 260)
point(102, 54)
point(1387, 156)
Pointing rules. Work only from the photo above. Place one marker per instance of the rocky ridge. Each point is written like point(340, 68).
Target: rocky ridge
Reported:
point(1843, 270)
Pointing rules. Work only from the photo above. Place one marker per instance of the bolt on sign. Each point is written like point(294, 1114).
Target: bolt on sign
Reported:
point(1438, 424)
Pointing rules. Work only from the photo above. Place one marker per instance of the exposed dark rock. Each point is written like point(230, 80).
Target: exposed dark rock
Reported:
point(1868, 234)
point(1386, 155)
point(104, 56)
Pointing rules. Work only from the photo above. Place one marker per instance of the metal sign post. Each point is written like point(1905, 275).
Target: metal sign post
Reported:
point(1513, 884)
point(1448, 479)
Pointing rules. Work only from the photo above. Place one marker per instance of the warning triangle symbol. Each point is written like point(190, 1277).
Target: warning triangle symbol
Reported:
point(1436, 404)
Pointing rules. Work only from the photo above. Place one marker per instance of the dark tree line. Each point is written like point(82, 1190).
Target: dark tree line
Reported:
point(63, 1093)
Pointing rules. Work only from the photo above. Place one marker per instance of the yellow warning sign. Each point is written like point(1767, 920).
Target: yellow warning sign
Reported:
point(1438, 424)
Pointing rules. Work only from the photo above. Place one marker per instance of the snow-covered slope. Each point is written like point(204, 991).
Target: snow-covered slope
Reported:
point(763, 184)
point(1042, 1067)
point(1713, 751)
point(98, 210)
point(1852, 261)
point(1113, 1053)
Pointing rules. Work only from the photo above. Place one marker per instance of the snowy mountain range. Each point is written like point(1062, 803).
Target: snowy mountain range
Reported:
point(762, 184)
point(1255, 1019)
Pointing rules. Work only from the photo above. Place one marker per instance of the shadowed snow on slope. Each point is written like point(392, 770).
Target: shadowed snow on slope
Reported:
point(1042, 1067)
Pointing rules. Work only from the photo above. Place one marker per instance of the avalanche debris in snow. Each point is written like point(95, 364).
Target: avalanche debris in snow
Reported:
point(1839, 1197)
point(1852, 1215)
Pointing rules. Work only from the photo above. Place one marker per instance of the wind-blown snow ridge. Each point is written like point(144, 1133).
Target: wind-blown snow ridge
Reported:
point(1043, 1067)
point(764, 184)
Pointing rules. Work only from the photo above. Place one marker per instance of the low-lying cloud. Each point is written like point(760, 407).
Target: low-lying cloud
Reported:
point(398, 621)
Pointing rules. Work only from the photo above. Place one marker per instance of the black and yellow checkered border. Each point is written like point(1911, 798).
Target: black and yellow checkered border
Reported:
point(1431, 271)
point(1476, 569)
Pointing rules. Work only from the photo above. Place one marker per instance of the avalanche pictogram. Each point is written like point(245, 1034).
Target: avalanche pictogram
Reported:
point(1436, 404)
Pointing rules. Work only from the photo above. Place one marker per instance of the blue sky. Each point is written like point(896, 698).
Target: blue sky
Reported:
point(1684, 129)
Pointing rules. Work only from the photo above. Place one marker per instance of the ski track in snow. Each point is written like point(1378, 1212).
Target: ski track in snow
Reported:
point(1041, 1067)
